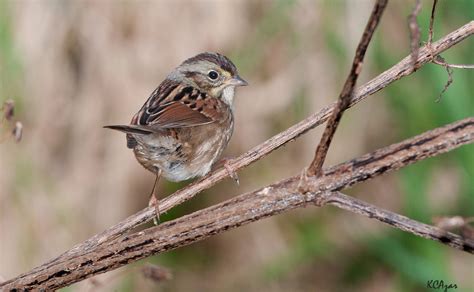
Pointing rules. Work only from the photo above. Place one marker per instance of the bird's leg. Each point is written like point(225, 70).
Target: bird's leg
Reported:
point(154, 202)
point(225, 163)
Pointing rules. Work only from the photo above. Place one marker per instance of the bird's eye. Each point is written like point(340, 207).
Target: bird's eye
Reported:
point(213, 74)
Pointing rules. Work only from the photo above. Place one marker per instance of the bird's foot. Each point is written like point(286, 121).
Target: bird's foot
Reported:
point(225, 162)
point(154, 202)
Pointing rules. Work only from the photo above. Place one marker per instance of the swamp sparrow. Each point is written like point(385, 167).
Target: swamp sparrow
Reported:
point(186, 123)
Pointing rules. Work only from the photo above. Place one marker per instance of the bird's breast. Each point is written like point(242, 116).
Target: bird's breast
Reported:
point(188, 154)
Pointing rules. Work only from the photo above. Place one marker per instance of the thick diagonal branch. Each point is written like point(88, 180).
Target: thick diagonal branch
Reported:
point(347, 91)
point(271, 200)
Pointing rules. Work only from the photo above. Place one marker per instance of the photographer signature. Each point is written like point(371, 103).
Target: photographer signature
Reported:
point(439, 284)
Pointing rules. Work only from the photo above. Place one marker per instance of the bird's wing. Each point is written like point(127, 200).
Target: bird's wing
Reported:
point(171, 106)
point(178, 106)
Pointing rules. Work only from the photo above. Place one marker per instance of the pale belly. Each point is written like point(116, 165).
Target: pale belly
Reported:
point(181, 161)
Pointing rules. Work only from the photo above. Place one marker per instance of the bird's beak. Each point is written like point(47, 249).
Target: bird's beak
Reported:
point(238, 81)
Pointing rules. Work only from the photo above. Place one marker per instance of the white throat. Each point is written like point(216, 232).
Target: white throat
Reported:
point(228, 96)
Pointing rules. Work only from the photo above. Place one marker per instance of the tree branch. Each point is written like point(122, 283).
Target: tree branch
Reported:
point(430, 31)
point(271, 200)
point(398, 71)
point(347, 91)
point(401, 222)
point(414, 32)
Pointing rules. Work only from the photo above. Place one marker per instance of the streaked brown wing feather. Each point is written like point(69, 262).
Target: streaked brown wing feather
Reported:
point(179, 115)
point(175, 105)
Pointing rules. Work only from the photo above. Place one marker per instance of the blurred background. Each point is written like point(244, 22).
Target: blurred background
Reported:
point(72, 67)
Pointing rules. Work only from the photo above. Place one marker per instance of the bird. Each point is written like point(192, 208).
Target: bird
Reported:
point(186, 123)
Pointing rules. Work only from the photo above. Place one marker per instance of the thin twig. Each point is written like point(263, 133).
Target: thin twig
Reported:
point(437, 59)
point(449, 71)
point(347, 91)
point(401, 222)
point(457, 66)
point(414, 33)
point(398, 71)
point(434, 58)
point(271, 200)
point(430, 32)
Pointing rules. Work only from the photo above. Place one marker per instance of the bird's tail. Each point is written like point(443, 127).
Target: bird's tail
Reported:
point(131, 129)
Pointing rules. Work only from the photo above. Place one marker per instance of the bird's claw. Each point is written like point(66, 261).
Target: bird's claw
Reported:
point(155, 203)
point(231, 173)
point(303, 181)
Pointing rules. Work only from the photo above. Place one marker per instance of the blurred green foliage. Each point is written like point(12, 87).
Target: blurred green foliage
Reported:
point(10, 64)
